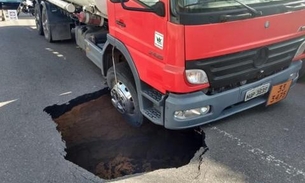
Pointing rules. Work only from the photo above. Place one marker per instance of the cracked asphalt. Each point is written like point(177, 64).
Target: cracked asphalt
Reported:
point(260, 145)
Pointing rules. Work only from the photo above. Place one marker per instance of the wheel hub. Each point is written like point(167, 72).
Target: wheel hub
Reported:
point(122, 98)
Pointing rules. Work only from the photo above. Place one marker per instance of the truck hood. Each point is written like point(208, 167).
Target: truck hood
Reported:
point(204, 41)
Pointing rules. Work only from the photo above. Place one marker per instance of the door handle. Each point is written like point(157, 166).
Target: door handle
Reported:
point(120, 23)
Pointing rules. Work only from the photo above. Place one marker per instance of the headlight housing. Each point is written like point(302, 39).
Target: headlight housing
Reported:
point(191, 113)
point(196, 76)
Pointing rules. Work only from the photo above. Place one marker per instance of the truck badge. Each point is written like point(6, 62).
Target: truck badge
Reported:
point(159, 40)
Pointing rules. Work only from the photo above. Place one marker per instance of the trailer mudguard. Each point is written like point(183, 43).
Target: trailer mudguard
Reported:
point(60, 24)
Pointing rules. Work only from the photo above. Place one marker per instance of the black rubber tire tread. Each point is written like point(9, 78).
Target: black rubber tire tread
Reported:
point(125, 76)
point(49, 35)
point(37, 10)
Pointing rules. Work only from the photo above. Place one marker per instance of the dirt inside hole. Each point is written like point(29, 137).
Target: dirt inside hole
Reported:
point(99, 140)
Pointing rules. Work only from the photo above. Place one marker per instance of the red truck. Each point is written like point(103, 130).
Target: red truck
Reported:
point(184, 63)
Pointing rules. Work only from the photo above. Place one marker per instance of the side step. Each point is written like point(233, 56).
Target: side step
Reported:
point(154, 96)
point(153, 114)
point(153, 104)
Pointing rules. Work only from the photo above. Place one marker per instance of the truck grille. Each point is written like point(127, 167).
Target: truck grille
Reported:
point(233, 70)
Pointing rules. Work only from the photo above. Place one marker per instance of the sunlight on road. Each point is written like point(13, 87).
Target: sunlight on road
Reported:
point(7, 102)
point(66, 93)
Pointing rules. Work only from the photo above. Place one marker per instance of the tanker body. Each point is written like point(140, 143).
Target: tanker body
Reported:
point(99, 6)
point(184, 63)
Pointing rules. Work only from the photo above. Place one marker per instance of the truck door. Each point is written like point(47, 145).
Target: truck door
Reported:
point(143, 33)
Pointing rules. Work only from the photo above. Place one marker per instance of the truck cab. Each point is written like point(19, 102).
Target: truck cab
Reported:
point(185, 63)
point(211, 59)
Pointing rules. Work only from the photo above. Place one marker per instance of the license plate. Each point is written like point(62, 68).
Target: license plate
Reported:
point(258, 91)
point(279, 92)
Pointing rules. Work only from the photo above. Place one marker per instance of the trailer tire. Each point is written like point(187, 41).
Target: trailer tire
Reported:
point(123, 94)
point(37, 15)
point(47, 31)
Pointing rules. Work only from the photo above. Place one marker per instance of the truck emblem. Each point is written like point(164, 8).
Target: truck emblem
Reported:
point(159, 40)
point(267, 24)
point(155, 55)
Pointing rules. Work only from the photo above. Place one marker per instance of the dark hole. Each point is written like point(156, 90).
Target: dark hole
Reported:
point(100, 141)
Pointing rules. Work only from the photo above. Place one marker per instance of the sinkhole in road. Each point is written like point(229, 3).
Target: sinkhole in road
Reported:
point(99, 140)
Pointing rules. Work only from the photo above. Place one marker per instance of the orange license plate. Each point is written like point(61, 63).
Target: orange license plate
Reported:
point(279, 92)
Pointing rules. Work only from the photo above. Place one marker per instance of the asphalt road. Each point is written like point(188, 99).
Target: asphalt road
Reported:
point(260, 145)
point(33, 75)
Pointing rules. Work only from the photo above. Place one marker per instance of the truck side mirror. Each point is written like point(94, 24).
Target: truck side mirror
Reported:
point(159, 8)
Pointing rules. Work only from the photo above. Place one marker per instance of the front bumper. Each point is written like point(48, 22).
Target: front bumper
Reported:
point(223, 104)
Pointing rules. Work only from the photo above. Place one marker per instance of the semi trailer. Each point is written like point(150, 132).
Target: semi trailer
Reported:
point(184, 63)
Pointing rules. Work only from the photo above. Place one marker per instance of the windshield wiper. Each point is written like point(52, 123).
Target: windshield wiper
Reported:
point(250, 9)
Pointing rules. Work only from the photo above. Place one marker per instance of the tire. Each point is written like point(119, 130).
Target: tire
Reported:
point(47, 31)
point(131, 110)
point(37, 15)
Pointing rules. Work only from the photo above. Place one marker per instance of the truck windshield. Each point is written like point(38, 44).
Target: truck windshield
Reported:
point(196, 12)
point(215, 5)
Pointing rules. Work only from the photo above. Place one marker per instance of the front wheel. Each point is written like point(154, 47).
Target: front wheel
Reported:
point(124, 94)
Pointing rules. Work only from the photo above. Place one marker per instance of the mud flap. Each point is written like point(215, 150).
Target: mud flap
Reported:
point(60, 24)
point(61, 31)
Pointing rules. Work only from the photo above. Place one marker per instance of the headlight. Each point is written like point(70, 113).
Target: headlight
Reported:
point(301, 50)
point(196, 76)
point(186, 114)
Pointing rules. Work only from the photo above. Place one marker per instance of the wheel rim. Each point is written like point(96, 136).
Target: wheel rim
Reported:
point(45, 24)
point(122, 99)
